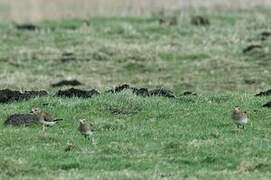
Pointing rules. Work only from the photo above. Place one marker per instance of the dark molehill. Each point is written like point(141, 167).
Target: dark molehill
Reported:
point(143, 91)
point(7, 95)
point(67, 57)
point(26, 27)
point(250, 81)
point(268, 104)
point(188, 93)
point(67, 54)
point(251, 47)
point(264, 93)
point(123, 111)
point(162, 92)
point(171, 21)
point(73, 82)
point(121, 88)
point(72, 92)
point(32, 94)
point(200, 21)
point(162, 21)
point(21, 119)
point(264, 35)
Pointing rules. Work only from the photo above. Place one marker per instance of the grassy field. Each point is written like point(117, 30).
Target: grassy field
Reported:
point(148, 138)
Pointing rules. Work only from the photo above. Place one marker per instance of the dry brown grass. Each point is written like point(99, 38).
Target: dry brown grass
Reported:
point(33, 10)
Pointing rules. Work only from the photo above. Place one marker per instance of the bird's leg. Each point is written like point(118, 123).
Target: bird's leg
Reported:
point(238, 126)
point(43, 128)
point(93, 141)
point(243, 126)
point(87, 137)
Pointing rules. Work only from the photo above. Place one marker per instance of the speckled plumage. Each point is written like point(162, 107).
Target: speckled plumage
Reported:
point(44, 117)
point(239, 118)
point(85, 128)
point(19, 119)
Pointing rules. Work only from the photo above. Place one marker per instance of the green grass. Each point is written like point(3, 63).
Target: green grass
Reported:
point(139, 51)
point(141, 138)
point(148, 139)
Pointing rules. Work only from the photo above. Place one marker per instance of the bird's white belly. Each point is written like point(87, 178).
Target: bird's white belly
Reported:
point(243, 121)
point(89, 133)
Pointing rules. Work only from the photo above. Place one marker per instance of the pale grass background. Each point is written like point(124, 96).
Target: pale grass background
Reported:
point(35, 10)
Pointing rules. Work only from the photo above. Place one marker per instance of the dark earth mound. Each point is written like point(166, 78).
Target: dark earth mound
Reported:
point(171, 21)
point(72, 92)
point(123, 111)
point(264, 93)
point(264, 35)
point(67, 54)
point(162, 92)
point(21, 119)
point(7, 95)
point(67, 57)
point(32, 94)
point(73, 82)
point(121, 88)
point(162, 21)
point(268, 104)
point(188, 93)
point(26, 27)
point(250, 81)
point(125, 87)
point(200, 21)
point(143, 91)
point(251, 47)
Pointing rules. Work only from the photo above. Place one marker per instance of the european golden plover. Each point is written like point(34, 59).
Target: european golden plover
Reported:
point(44, 117)
point(86, 129)
point(239, 118)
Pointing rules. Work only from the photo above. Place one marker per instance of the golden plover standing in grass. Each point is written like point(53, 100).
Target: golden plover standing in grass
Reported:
point(44, 117)
point(86, 129)
point(239, 118)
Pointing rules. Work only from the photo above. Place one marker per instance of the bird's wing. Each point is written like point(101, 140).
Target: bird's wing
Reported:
point(85, 129)
point(48, 117)
point(236, 116)
point(58, 119)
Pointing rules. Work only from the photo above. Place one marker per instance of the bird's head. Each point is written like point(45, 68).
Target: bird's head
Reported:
point(36, 110)
point(237, 108)
point(82, 121)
